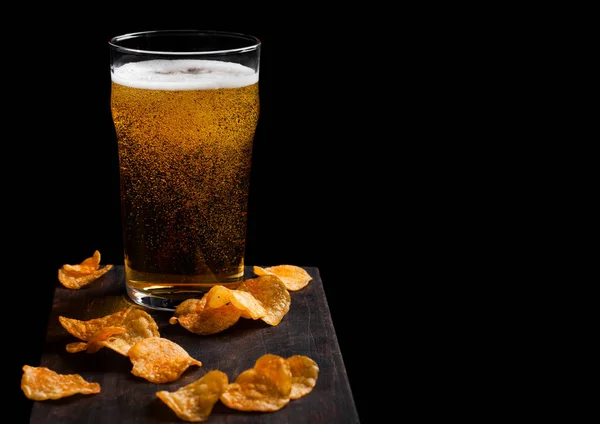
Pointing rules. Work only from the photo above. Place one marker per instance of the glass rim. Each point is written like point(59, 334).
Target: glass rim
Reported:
point(253, 42)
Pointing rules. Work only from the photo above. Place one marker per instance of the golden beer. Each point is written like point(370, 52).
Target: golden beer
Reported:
point(185, 130)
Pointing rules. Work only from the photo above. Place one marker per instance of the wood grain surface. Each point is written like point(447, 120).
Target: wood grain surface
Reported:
point(307, 329)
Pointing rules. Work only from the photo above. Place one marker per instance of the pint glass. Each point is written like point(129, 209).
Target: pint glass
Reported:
point(185, 107)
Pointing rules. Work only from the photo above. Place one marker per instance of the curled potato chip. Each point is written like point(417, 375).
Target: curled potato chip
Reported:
point(93, 345)
point(218, 296)
point(138, 324)
point(159, 360)
point(88, 266)
point(78, 276)
point(249, 306)
point(85, 330)
point(305, 372)
point(193, 315)
point(77, 282)
point(41, 383)
point(272, 293)
point(293, 277)
point(266, 387)
point(194, 402)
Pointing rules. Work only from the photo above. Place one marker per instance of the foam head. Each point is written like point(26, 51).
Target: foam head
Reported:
point(183, 74)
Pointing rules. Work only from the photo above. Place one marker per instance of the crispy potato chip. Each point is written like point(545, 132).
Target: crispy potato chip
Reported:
point(266, 387)
point(218, 296)
point(186, 312)
point(93, 345)
point(249, 306)
point(78, 276)
point(293, 277)
point(194, 402)
point(138, 324)
point(85, 330)
point(41, 383)
point(193, 315)
point(75, 283)
point(272, 293)
point(88, 266)
point(159, 360)
point(305, 372)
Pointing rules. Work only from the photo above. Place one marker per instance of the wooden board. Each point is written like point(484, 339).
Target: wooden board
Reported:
point(307, 329)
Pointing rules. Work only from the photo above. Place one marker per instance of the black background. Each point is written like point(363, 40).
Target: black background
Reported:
point(314, 200)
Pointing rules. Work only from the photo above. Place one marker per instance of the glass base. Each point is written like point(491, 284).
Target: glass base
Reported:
point(166, 291)
point(155, 302)
point(167, 299)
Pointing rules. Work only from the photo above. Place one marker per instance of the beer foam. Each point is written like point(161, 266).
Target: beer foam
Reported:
point(184, 74)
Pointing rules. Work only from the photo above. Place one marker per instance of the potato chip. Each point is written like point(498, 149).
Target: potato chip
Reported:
point(93, 345)
point(266, 387)
point(78, 276)
point(194, 402)
point(77, 282)
point(84, 330)
point(88, 266)
point(218, 296)
point(272, 293)
point(138, 324)
point(193, 315)
point(305, 372)
point(41, 383)
point(159, 360)
point(249, 306)
point(293, 277)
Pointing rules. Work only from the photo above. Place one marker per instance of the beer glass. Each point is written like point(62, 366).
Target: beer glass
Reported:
point(185, 107)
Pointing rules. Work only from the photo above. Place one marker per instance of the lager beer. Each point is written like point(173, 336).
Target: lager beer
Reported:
point(185, 129)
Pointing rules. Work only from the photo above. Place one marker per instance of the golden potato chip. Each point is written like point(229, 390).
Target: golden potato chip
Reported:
point(272, 293)
point(78, 276)
point(75, 282)
point(186, 312)
point(193, 315)
point(93, 345)
point(305, 372)
point(138, 324)
point(249, 306)
point(41, 383)
point(194, 402)
point(266, 387)
point(159, 360)
point(85, 330)
point(88, 266)
point(218, 296)
point(293, 277)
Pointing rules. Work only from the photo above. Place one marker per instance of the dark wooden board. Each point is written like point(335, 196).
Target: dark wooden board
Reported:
point(307, 329)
